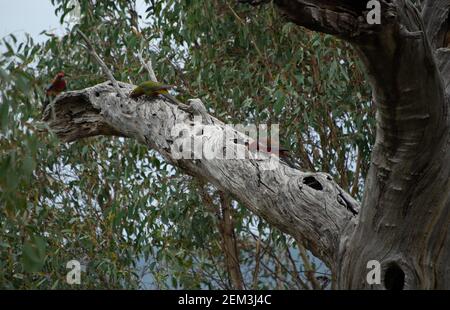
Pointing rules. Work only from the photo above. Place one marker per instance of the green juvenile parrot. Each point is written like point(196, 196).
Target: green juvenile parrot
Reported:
point(153, 89)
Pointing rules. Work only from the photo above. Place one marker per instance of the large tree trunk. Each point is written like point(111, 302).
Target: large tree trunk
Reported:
point(404, 218)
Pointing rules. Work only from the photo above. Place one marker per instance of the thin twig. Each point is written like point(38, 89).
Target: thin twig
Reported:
point(309, 270)
point(105, 68)
point(175, 66)
point(252, 40)
point(257, 263)
point(267, 249)
point(295, 274)
point(148, 66)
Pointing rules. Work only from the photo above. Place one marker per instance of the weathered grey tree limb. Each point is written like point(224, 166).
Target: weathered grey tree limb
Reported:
point(309, 206)
point(404, 222)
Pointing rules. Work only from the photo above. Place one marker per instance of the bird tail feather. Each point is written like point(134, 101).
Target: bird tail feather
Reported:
point(173, 99)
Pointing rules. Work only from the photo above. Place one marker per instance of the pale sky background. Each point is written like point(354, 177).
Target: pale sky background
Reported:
point(28, 16)
point(34, 16)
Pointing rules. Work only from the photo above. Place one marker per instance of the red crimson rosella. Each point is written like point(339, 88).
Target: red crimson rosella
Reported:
point(57, 86)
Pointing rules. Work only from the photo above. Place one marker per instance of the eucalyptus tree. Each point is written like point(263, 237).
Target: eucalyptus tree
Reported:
point(122, 204)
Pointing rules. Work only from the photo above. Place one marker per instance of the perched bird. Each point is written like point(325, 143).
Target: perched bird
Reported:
point(150, 88)
point(153, 89)
point(267, 146)
point(57, 86)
